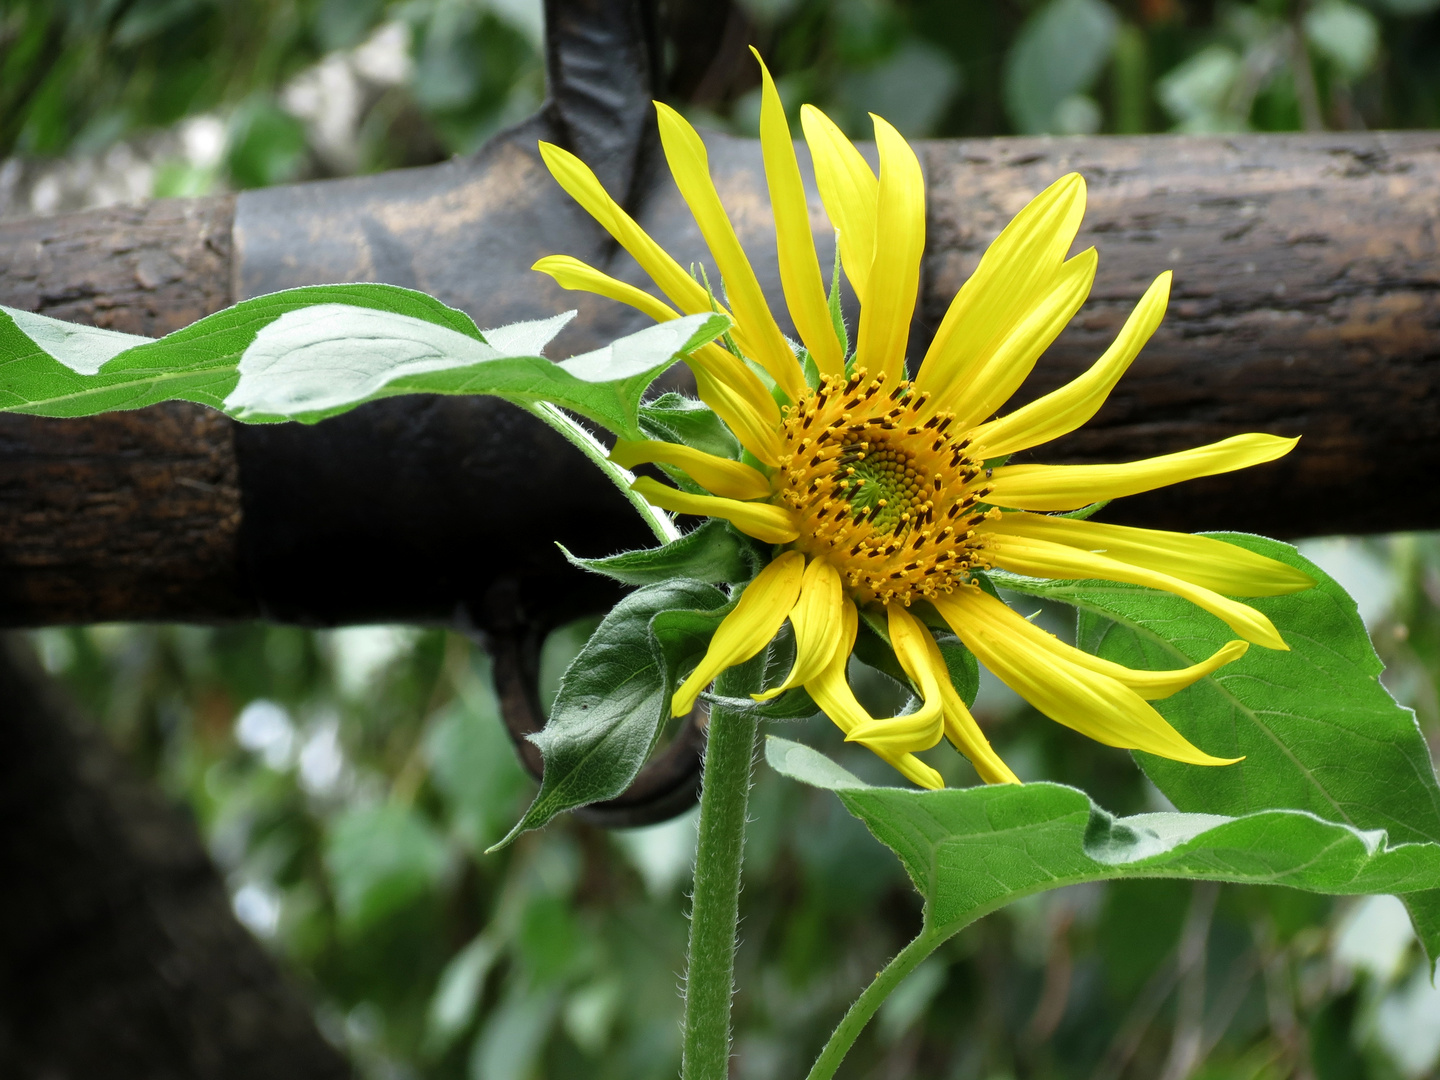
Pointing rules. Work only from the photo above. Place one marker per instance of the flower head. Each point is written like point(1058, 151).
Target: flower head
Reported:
point(887, 495)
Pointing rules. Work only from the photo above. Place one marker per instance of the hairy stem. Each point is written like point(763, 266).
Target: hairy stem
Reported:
point(906, 961)
point(714, 913)
point(661, 524)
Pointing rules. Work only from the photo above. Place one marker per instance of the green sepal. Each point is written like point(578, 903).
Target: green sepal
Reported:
point(711, 552)
point(794, 704)
point(676, 418)
point(1085, 512)
point(614, 699)
point(837, 317)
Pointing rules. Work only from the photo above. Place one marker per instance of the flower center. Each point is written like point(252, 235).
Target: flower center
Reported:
point(888, 496)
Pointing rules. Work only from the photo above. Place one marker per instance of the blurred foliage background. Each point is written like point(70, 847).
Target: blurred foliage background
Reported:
point(349, 781)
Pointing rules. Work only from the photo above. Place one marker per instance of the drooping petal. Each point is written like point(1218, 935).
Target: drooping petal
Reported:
point(849, 190)
point(1014, 272)
point(1200, 560)
point(830, 690)
point(1042, 558)
point(571, 273)
point(744, 385)
point(747, 419)
point(1150, 685)
point(795, 245)
point(764, 521)
point(920, 656)
point(585, 188)
point(923, 728)
point(895, 273)
point(965, 735)
point(1069, 487)
point(721, 476)
point(1014, 357)
point(1062, 411)
point(755, 330)
point(816, 619)
point(762, 607)
point(1091, 703)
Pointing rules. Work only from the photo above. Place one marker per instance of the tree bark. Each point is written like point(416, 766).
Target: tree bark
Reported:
point(1306, 302)
point(119, 955)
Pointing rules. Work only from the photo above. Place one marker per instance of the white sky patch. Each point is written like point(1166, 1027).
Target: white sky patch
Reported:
point(322, 760)
point(1358, 571)
point(662, 853)
point(265, 728)
point(258, 908)
point(360, 653)
point(1374, 936)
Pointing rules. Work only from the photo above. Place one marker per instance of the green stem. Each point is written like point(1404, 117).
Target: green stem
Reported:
point(714, 912)
point(661, 524)
point(906, 961)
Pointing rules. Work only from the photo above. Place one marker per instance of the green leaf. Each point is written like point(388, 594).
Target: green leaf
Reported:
point(614, 699)
point(679, 419)
point(711, 552)
point(381, 859)
point(1317, 730)
point(1059, 52)
point(969, 851)
point(306, 354)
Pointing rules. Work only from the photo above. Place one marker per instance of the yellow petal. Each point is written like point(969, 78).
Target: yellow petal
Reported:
point(919, 656)
point(959, 726)
point(1042, 558)
point(799, 266)
point(1015, 271)
point(748, 420)
point(764, 521)
point(895, 273)
point(755, 331)
point(570, 273)
point(1091, 703)
point(831, 691)
point(761, 609)
point(1062, 411)
point(817, 620)
point(730, 479)
point(1069, 487)
point(1150, 685)
point(1014, 357)
point(848, 189)
point(1200, 560)
point(747, 391)
point(584, 187)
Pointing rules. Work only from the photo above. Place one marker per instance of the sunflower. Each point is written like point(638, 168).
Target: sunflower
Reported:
point(886, 497)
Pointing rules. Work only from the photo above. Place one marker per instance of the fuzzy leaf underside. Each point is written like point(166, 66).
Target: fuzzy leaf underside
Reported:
point(305, 354)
